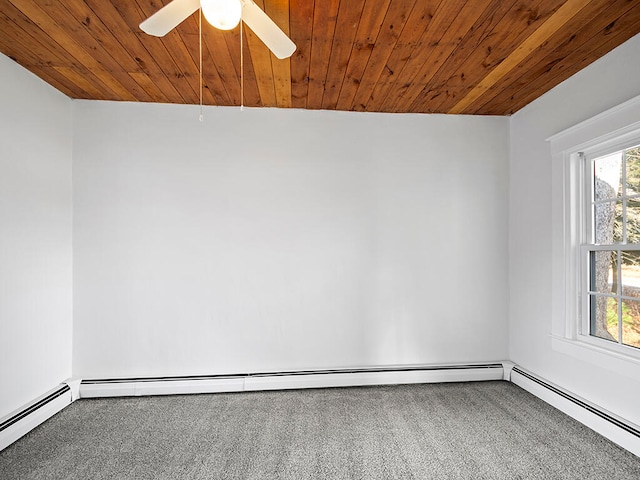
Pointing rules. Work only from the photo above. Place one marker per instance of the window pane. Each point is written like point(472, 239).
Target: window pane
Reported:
point(607, 222)
point(604, 317)
point(630, 274)
point(631, 322)
point(618, 224)
point(630, 270)
point(632, 157)
point(603, 267)
point(633, 220)
point(607, 176)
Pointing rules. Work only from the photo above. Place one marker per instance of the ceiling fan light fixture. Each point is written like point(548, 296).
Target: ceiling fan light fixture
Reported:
point(222, 14)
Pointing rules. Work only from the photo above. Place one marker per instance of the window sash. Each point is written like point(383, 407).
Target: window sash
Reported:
point(586, 308)
point(588, 295)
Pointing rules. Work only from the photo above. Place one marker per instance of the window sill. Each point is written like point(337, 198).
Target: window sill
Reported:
point(619, 363)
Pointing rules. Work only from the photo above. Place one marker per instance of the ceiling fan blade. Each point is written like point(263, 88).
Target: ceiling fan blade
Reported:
point(169, 17)
point(265, 28)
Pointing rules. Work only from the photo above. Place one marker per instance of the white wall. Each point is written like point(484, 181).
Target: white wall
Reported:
point(35, 236)
point(281, 239)
point(606, 83)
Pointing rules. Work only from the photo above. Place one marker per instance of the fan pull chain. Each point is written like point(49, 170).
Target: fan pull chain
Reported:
point(200, 51)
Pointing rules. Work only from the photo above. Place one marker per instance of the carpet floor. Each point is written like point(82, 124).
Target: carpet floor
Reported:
point(480, 430)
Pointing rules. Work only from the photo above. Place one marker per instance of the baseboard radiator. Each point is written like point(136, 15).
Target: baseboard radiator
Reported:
point(609, 425)
point(119, 387)
point(22, 421)
point(618, 430)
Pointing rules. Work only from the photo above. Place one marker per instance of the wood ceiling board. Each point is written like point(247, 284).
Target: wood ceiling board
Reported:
point(56, 80)
point(105, 48)
point(214, 91)
point(156, 52)
point(541, 62)
point(72, 45)
point(42, 25)
point(552, 63)
point(145, 62)
point(324, 24)
point(301, 29)
point(401, 76)
point(447, 80)
point(554, 23)
point(373, 15)
point(186, 74)
point(228, 62)
point(281, 81)
point(349, 15)
point(261, 61)
point(391, 29)
point(249, 82)
point(149, 86)
point(410, 40)
point(450, 23)
point(19, 45)
point(18, 32)
point(82, 80)
point(215, 59)
point(502, 25)
point(554, 72)
point(278, 11)
point(150, 55)
point(172, 51)
point(45, 72)
point(466, 56)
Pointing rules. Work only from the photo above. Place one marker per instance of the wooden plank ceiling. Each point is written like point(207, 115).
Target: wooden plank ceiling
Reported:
point(423, 56)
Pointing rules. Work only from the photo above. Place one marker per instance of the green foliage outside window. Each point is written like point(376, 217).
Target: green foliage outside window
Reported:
point(612, 313)
point(633, 207)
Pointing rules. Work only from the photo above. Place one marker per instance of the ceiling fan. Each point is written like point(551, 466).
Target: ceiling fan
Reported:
point(225, 15)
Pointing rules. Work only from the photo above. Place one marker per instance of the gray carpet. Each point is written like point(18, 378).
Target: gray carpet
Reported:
point(484, 430)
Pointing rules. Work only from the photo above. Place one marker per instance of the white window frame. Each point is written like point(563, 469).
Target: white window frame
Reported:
point(611, 131)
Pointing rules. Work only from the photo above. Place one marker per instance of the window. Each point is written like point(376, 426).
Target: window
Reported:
point(611, 247)
point(595, 239)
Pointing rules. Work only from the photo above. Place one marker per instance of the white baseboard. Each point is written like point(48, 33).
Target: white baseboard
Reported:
point(507, 367)
point(141, 387)
point(18, 423)
point(356, 379)
point(291, 380)
point(616, 429)
point(25, 419)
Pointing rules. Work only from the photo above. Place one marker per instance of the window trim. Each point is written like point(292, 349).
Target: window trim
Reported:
point(610, 131)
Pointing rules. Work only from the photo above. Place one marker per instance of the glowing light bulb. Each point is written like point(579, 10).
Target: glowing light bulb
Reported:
point(222, 14)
